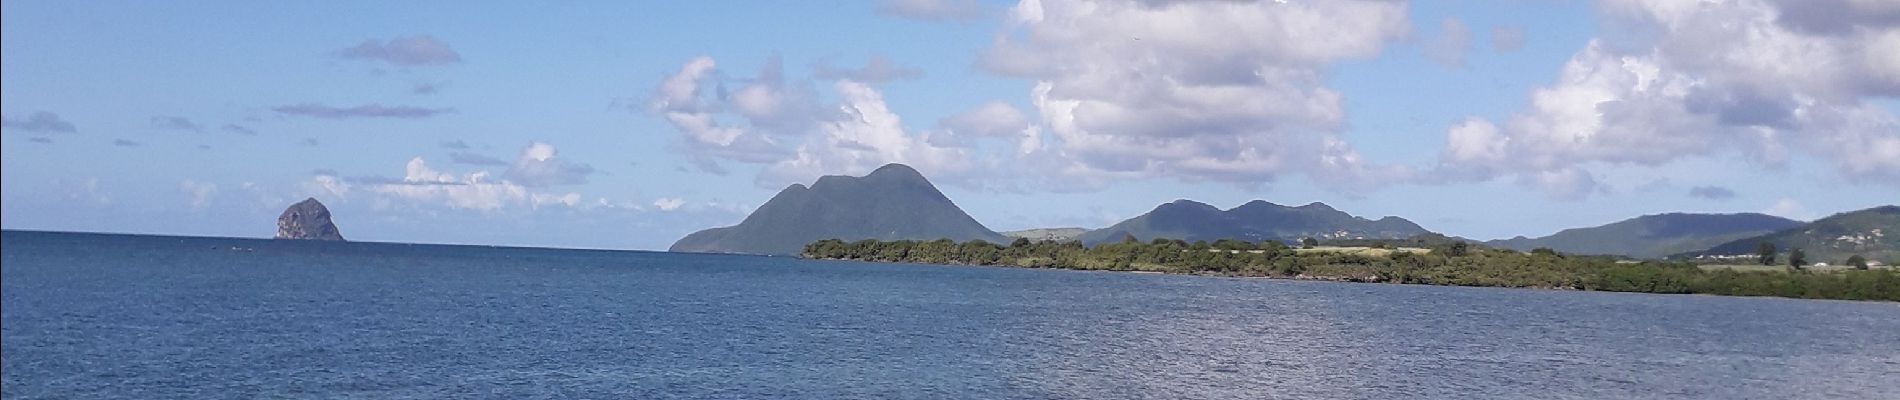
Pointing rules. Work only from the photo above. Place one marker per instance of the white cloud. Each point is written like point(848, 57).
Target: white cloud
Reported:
point(538, 166)
point(787, 128)
point(1228, 91)
point(1225, 91)
point(678, 100)
point(567, 199)
point(422, 185)
point(990, 119)
point(668, 203)
point(1755, 77)
point(200, 192)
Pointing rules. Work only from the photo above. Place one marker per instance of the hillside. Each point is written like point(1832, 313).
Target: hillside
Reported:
point(1654, 236)
point(1255, 221)
point(892, 203)
point(1873, 233)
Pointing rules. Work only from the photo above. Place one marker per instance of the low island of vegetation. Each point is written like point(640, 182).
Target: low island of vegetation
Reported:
point(1427, 259)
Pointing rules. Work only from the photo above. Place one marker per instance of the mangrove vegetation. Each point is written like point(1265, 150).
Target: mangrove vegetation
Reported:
point(1427, 260)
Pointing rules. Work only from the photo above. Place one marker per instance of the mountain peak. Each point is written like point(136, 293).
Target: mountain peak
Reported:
point(1252, 221)
point(893, 202)
point(1259, 203)
point(895, 170)
point(1318, 206)
point(1185, 204)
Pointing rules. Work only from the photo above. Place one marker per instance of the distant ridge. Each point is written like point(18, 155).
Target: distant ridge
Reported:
point(1873, 233)
point(1653, 236)
point(894, 202)
point(1255, 221)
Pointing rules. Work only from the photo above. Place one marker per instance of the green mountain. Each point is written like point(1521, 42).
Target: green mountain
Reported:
point(1255, 221)
point(1873, 233)
point(892, 203)
point(1654, 236)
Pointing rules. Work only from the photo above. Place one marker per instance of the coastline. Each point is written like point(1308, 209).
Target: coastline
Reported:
point(1448, 264)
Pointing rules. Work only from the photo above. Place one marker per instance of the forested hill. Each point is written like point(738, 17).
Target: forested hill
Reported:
point(893, 202)
point(1872, 233)
point(1654, 236)
point(1255, 221)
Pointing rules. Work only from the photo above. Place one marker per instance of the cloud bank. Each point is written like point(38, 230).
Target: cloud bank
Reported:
point(1765, 79)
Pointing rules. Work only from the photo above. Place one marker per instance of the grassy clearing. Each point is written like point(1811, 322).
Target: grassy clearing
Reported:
point(1364, 251)
point(1768, 268)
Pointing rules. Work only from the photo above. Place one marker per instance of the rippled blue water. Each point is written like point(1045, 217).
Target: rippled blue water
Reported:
point(142, 317)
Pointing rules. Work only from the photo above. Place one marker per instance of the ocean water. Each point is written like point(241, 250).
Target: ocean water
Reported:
point(145, 317)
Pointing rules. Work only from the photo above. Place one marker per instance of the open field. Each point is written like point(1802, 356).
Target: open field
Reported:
point(1368, 251)
point(1774, 268)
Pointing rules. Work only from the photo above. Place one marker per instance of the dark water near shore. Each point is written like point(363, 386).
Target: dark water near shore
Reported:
point(141, 317)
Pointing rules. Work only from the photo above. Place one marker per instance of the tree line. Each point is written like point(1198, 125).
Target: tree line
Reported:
point(1440, 262)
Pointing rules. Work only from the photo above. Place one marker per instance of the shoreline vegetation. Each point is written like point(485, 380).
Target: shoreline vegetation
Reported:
point(1424, 260)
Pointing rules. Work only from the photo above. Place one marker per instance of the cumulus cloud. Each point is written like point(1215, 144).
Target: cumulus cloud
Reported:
point(989, 119)
point(783, 124)
point(404, 51)
point(422, 185)
point(1226, 91)
point(1711, 192)
point(1222, 91)
point(1706, 78)
point(200, 192)
point(668, 203)
point(1507, 39)
point(1452, 43)
point(362, 111)
point(932, 10)
point(175, 123)
point(39, 122)
point(877, 70)
point(538, 166)
point(993, 119)
point(1837, 17)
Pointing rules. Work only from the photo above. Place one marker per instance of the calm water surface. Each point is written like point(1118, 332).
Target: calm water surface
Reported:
point(143, 317)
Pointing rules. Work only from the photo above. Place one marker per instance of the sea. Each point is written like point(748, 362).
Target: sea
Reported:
point(102, 316)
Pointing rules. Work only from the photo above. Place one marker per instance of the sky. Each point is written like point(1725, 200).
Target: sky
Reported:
point(627, 125)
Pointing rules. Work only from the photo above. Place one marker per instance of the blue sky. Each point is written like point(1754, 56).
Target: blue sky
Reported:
point(573, 124)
